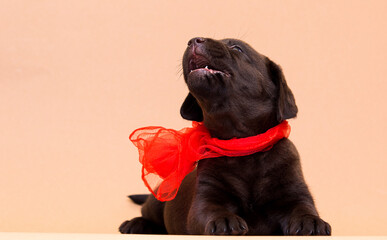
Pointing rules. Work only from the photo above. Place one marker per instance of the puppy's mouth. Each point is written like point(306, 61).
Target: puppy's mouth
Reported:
point(200, 65)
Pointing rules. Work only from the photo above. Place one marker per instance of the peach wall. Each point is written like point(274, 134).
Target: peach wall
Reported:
point(77, 76)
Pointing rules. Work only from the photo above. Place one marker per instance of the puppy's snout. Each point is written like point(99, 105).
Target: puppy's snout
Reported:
point(196, 41)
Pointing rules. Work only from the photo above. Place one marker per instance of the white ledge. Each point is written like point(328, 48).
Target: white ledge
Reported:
point(83, 236)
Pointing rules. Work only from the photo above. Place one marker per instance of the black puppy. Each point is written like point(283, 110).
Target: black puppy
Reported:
point(237, 93)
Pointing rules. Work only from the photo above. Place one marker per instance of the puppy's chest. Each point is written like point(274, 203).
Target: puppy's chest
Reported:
point(248, 179)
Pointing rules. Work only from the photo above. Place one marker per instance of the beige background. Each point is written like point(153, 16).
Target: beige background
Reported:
point(76, 77)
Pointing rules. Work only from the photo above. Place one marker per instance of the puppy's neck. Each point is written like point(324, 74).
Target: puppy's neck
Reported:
point(236, 123)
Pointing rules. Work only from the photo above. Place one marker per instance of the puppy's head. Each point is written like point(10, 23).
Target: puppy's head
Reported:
point(236, 91)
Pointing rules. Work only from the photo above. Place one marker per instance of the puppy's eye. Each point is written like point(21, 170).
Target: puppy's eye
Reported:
point(237, 48)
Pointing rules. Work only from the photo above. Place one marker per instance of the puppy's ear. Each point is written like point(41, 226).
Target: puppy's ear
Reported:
point(190, 110)
point(286, 104)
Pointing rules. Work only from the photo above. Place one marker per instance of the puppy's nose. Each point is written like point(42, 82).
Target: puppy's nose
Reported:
point(196, 41)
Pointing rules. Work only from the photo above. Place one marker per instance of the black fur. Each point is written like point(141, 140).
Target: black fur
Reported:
point(244, 94)
point(139, 198)
point(191, 110)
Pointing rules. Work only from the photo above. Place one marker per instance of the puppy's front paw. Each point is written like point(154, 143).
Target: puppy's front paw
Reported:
point(307, 225)
point(226, 225)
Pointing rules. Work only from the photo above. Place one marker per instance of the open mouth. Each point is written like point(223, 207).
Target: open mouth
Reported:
point(207, 69)
point(200, 64)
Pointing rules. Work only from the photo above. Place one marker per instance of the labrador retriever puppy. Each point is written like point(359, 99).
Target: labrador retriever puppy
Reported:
point(236, 92)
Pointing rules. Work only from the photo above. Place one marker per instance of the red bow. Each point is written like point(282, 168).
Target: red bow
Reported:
point(168, 155)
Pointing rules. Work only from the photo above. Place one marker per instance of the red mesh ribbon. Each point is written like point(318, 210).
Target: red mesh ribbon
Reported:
point(168, 155)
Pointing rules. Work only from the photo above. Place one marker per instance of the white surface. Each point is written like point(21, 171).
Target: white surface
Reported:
point(65, 236)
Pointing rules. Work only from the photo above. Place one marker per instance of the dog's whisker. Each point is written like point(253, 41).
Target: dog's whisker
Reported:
point(179, 70)
point(245, 34)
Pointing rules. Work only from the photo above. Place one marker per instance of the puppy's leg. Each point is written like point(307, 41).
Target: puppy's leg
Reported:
point(151, 222)
point(211, 218)
point(303, 219)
